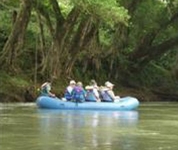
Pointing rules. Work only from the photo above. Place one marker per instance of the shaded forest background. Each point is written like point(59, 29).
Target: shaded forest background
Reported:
point(133, 44)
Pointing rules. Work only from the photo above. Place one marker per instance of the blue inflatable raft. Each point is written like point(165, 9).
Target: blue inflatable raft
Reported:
point(126, 103)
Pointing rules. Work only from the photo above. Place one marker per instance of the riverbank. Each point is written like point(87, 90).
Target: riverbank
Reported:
point(22, 89)
point(29, 94)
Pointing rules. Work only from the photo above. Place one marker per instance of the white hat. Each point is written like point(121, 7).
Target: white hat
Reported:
point(88, 87)
point(72, 82)
point(79, 83)
point(109, 84)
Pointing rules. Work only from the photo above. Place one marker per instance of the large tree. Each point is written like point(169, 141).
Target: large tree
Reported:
point(105, 36)
point(14, 44)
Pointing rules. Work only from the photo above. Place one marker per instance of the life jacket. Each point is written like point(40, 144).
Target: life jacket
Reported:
point(78, 94)
point(44, 90)
point(90, 96)
point(105, 97)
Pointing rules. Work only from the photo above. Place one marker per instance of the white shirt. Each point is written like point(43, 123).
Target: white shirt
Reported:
point(70, 89)
point(95, 91)
point(111, 93)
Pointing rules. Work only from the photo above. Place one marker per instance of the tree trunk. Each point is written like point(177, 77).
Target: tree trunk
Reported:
point(154, 52)
point(62, 41)
point(14, 44)
point(83, 37)
point(146, 51)
point(61, 35)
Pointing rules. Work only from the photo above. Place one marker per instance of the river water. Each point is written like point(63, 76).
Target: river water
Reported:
point(154, 126)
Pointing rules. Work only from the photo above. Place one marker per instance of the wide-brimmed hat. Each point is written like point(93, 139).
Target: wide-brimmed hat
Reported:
point(72, 82)
point(109, 84)
point(88, 87)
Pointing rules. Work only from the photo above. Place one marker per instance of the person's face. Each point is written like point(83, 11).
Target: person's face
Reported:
point(111, 87)
point(72, 85)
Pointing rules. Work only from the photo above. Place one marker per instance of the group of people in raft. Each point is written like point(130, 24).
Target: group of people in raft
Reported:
point(91, 93)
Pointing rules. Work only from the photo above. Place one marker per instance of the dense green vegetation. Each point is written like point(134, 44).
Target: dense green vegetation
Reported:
point(130, 43)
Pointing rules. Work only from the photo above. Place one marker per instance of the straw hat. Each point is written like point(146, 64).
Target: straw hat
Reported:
point(109, 84)
point(88, 87)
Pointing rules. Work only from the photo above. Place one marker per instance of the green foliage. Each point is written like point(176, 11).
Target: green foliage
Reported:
point(6, 20)
point(5, 25)
point(106, 11)
point(9, 4)
point(147, 18)
point(148, 14)
point(105, 36)
point(65, 6)
point(109, 18)
point(6, 10)
point(10, 82)
point(152, 76)
point(167, 59)
point(3, 38)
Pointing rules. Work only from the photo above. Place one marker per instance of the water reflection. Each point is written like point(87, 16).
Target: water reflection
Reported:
point(26, 127)
point(88, 128)
point(81, 118)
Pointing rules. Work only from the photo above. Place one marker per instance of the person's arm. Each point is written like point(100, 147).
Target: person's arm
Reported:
point(111, 94)
point(51, 94)
point(84, 92)
point(49, 91)
point(96, 93)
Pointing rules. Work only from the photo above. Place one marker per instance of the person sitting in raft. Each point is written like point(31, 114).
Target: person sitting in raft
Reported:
point(69, 90)
point(92, 94)
point(78, 94)
point(107, 93)
point(95, 89)
point(45, 89)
